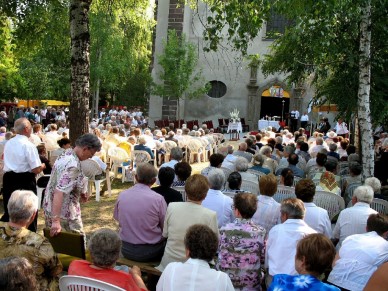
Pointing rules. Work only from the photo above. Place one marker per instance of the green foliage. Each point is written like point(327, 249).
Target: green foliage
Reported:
point(38, 67)
point(121, 31)
point(9, 78)
point(179, 75)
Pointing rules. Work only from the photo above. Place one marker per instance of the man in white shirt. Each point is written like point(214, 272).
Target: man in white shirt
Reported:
point(294, 116)
point(304, 119)
point(215, 200)
point(316, 217)
point(283, 238)
point(353, 220)
point(21, 164)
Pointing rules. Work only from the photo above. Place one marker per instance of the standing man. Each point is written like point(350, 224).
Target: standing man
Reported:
point(294, 116)
point(304, 119)
point(21, 164)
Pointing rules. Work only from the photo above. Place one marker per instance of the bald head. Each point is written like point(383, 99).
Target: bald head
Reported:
point(243, 146)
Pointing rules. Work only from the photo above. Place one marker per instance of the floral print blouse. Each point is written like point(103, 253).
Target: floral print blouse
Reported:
point(241, 253)
point(68, 178)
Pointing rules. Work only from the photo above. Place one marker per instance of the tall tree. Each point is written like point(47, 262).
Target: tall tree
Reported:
point(179, 77)
point(80, 68)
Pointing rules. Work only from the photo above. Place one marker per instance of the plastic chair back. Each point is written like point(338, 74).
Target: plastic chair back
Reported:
point(78, 283)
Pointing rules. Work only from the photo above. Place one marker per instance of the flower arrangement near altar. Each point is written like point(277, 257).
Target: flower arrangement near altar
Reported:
point(234, 115)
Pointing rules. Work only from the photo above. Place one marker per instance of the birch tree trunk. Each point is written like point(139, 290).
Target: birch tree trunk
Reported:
point(80, 68)
point(364, 114)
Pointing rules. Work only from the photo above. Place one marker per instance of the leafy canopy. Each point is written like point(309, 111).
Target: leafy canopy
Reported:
point(179, 77)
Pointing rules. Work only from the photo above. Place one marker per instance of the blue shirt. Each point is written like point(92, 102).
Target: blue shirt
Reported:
point(299, 282)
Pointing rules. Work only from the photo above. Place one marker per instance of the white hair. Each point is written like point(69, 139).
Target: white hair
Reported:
point(374, 183)
point(364, 194)
point(216, 179)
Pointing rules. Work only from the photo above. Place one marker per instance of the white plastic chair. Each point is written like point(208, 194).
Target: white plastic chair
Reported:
point(284, 192)
point(78, 283)
point(117, 157)
point(296, 180)
point(140, 157)
point(329, 201)
point(229, 194)
point(380, 205)
point(181, 189)
point(257, 173)
point(196, 150)
point(90, 169)
point(250, 186)
point(167, 145)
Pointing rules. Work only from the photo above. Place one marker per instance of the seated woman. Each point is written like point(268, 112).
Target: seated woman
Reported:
point(287, 177)
point(181, 215)
point(258, 161)
point(142, 147)
point(242, 168)
point(328, 183)
point(201, 244)
point(234, 183)
point(43, 158)
point(166, 176)
point(361, 254)
point(64, 144)
point(241, 238)
point(314, 255)
point(16, 273)
point(268, 210)
point(104, 247)
point(182, 172)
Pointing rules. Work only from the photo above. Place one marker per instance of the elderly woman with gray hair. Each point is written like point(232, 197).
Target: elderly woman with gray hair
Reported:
point(242, 167)
point(258, 161)
point(215, 200)
point(104, 248)
point(376, 186)
point(68, 186)
point(142, 146)
point(269, 162)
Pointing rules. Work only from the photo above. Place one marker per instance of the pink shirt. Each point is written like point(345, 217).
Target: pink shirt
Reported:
point(140, 213)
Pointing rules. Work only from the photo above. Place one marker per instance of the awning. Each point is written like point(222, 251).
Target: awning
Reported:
point(325, 108)
point(33, 103)
point(55, 103)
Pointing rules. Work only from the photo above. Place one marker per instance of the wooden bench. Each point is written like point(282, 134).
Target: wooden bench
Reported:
point(148, 267)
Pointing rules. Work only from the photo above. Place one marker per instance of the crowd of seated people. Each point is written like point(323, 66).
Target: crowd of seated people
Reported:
point(258, 241)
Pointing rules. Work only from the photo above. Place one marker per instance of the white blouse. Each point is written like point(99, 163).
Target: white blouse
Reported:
point(360, 255)
point(193, 275)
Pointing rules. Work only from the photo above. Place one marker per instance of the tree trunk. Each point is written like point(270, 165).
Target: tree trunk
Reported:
point(364, 114)
point(80, 68)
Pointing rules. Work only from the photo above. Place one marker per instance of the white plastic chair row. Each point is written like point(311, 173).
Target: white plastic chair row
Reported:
point(250, 186)
point(331, 202)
